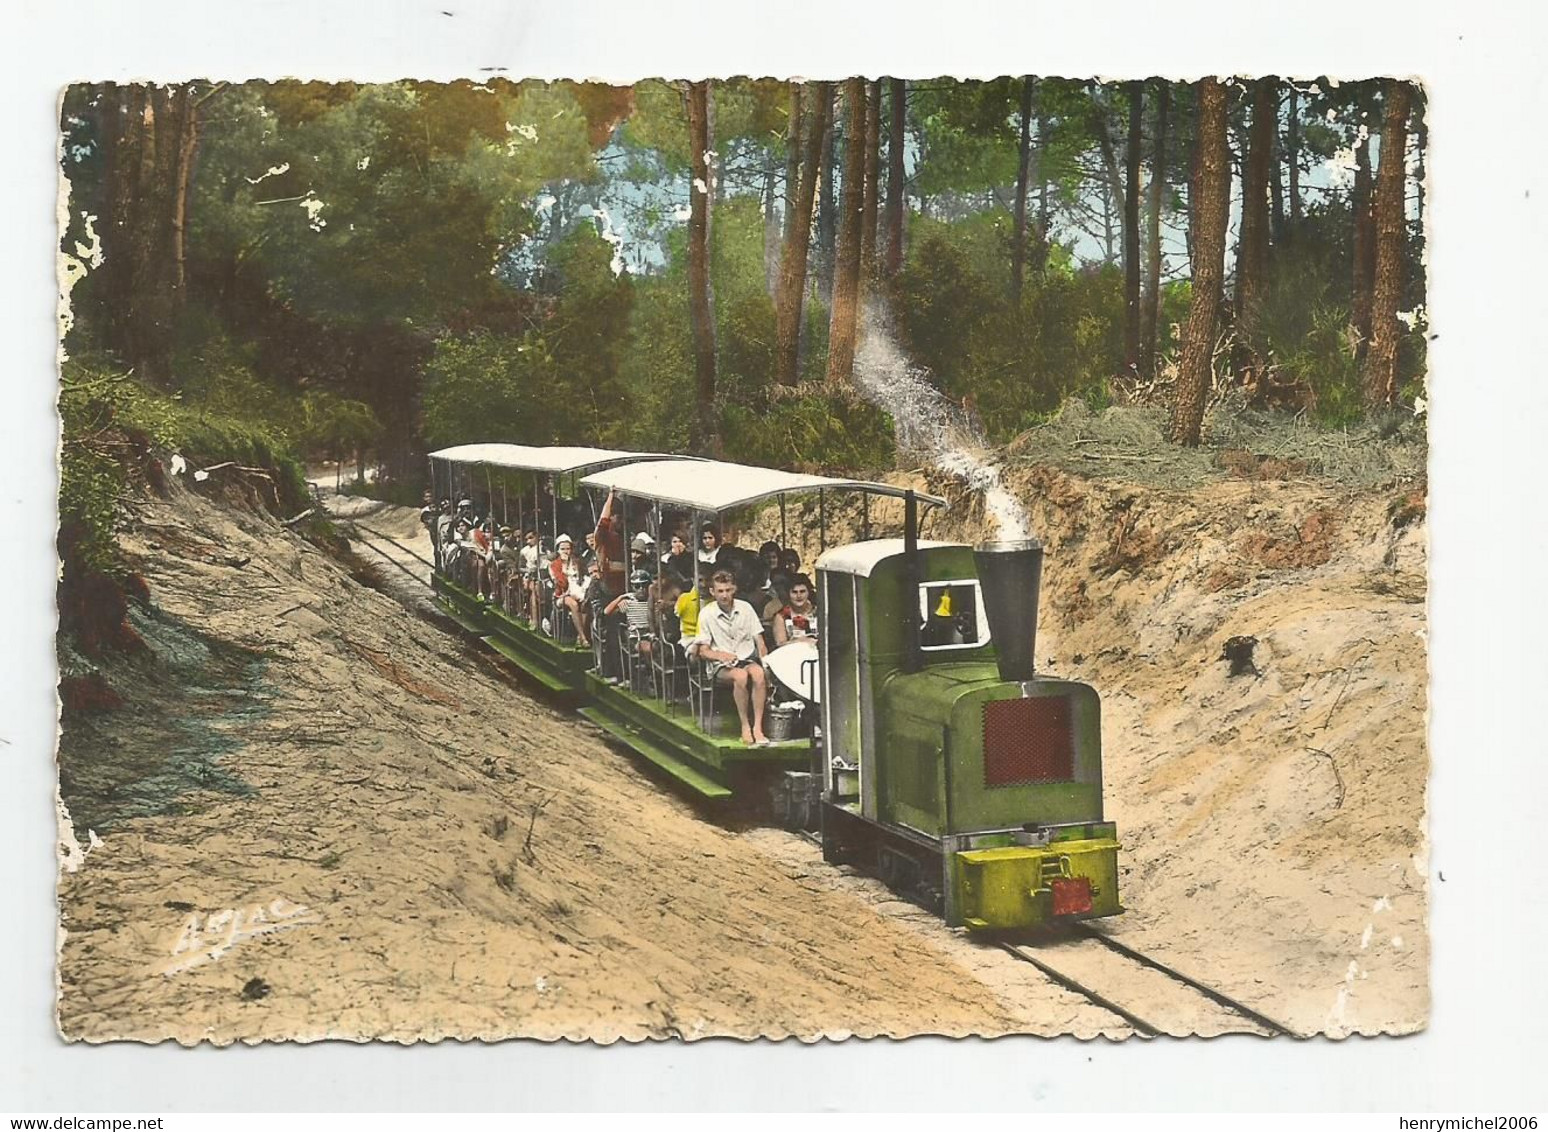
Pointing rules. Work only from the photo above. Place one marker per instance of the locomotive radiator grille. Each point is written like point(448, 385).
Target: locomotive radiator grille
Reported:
point(1028, 740)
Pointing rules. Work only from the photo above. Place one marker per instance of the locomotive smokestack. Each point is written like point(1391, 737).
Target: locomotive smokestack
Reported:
point(1010, 575)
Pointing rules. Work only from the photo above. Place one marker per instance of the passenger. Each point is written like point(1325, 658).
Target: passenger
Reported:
point(709, 545)
point(636, 609)
point(687, 609)
point(641, 556)
point(445, 522)
point(427, 514)
point(529, 576)
point(588, 553)
point(778, 598)
point(598, 597)
point(481, 560)
point(508, 570)
point(610, 547)
point(666, 626)
point(769, 553)
point(677, 559)
point(797, 621)
point(746, 565)
point(730, 642)
point(460, 565)
point(569, 587)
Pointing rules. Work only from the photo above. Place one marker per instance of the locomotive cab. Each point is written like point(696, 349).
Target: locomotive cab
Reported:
point(946, 757)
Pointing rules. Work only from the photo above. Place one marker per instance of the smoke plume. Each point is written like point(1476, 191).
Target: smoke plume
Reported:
point(928, 424)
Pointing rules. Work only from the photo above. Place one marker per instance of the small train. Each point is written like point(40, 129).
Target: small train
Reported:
point(933, 753)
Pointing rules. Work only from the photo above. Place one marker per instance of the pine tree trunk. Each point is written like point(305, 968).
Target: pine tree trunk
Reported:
point(1131, 234)
point(792, 262)
point(897, 105)
point(1150, 313)
point(1276, 182)
point(1252, 255)
point(1023, 186)
point(1212, 188)
point(792, 162)
point(1044, 208)
point(1293, 159)
point(771, 228)
point(701, 299)
point(1363, 249)
point(846, 275)
point(1108, 252)
point(870, 210)
point(1391, 233)
point(149, 135)
point(188, 134)
point(827, 212)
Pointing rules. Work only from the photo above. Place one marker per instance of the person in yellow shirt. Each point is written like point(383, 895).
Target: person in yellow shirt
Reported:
point(688, 606)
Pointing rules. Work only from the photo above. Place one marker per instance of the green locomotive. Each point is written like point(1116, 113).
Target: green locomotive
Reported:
point(946, 763)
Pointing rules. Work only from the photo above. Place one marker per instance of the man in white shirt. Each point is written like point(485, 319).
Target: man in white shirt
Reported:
point(730, 642)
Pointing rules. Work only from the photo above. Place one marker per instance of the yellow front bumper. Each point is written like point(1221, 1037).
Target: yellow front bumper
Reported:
point(1021, 886)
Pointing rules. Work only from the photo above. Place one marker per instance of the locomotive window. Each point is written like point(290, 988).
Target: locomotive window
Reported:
point(951, 615)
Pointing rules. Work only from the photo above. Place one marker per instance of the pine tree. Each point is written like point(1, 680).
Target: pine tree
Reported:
point(1212, 187)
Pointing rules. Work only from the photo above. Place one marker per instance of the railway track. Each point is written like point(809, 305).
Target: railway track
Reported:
point(1114, 976)
point(1088, 962)
point(1117, 978)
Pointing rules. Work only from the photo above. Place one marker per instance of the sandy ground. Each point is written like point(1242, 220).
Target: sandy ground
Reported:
point(393, 842)
point(353, 859)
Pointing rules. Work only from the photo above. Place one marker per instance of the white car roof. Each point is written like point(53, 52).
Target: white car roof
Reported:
point(715, 485)
point(861, 558)
point(527, 458)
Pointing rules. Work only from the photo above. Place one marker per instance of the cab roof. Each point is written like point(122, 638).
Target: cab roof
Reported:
point(716, 485)
point(861, 558)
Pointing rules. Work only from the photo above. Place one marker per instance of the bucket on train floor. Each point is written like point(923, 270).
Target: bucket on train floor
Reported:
point(785, 721)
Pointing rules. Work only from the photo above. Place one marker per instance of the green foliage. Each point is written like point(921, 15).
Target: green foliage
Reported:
point(1304, 325)
point(490, 386)
point(380, 202)
point(114, 428)
point(333, 426)
point(1017, 363)
point(816, 432)
point(587, 335)
point(381, 266)
point(967, 134)
point(656, 371)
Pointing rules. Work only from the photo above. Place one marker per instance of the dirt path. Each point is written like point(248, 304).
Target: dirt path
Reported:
point(393, 842)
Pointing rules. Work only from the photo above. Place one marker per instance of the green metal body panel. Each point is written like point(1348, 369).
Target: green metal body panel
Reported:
point(560, 668)
point(888, 602)
point(932, 778)
point(675, 735)
point(643, 745)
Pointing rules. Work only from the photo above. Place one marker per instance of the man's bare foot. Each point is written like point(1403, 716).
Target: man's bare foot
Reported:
point(749, 739)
